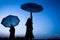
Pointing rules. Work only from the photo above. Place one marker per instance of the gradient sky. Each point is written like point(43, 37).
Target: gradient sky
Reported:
point(45, 24)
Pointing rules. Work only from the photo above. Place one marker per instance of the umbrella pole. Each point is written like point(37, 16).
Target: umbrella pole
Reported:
point(31, 15)
point(31, 25)
point(31, 19)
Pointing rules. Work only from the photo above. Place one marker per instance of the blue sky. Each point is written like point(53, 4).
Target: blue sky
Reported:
point(45, 24)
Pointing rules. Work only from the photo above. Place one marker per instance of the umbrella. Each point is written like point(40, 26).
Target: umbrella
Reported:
point(31, 7)
point(10, 20)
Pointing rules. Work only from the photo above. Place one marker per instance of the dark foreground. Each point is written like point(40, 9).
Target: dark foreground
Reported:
point(21, 38)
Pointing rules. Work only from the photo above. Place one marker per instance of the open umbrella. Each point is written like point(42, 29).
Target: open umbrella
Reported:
point(10, 20)
point(31, 7)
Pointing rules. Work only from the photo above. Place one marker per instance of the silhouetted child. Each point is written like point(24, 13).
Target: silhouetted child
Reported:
point(29, 28)
point(12, 33)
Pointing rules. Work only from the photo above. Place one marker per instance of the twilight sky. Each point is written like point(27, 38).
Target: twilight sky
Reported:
point(45, 24)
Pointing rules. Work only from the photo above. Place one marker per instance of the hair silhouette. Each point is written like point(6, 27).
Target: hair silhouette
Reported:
point(29, 28)
point(12, 33)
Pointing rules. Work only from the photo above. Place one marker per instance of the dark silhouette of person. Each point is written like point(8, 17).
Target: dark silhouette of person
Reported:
point(12, 33)
point(29, 29)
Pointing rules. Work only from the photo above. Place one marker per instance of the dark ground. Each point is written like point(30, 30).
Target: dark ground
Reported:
point(22, 38)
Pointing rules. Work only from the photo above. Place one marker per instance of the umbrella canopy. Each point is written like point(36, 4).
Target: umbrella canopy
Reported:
point(10, 20)
point(31, 7)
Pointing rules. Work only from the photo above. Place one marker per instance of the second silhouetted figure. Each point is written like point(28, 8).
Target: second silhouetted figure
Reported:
point(29, 29)
point(12, 33)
